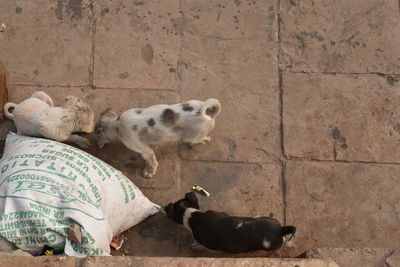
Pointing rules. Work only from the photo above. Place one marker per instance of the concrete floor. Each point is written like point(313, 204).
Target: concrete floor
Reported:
point(310, 126)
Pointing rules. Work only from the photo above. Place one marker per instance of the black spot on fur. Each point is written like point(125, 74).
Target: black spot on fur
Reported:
point(169, 117)
point(135, 127)
point(187, 107)
point(151, 122)
point(119, 116)
point(211, 111)
point(138, 111)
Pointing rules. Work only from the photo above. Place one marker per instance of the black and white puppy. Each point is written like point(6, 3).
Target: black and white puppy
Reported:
point(220, 231)
point(190, 122)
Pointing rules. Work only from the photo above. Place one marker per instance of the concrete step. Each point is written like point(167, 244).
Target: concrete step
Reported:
point(354, 257)
point(120, 261)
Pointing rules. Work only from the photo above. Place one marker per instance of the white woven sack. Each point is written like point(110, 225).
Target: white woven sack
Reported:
point(47, 186)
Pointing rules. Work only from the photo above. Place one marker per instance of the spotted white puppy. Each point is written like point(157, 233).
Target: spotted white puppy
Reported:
point(190, 122)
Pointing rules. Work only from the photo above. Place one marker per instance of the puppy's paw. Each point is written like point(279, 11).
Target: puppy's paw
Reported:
point(100, 144)
point(83, 142)
point(196, 246)
point(193, 145)
point(148, 171)
point(206, 139)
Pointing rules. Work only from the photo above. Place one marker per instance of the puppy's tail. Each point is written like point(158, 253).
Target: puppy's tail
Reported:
point(289, 230)
point(44, 97)
point(7, 111)
point(211, 108)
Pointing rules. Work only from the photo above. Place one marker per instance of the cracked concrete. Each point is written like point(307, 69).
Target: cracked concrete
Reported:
point(310, 124)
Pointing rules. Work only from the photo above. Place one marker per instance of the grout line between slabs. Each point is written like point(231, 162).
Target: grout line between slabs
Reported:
point(291, 158)
point(93, 44)
point(225, 162)
point(342, 73)
point(99, 88)
point(282, 133)
point(178, 86)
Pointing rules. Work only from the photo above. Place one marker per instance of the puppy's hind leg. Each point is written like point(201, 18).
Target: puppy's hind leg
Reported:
point(44, 97)
point(148, 155)
point(200, 141)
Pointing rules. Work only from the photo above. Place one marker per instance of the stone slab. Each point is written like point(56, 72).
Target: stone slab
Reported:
point(350, 257)
point(15, 253)
point(343, 117)
point(46, 42)
point(227, 19)
point(176, 261)
point(243, 75)
point(358, 36)
point(343, 204)
point(9, 261)
point(235, 188)
point(137, 43)
point(48, 261)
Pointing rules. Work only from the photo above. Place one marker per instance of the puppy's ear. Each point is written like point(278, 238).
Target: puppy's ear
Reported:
point(66, 118)
point(191, 197)
point(104, 112)
point(168, 208)
point(108, 113)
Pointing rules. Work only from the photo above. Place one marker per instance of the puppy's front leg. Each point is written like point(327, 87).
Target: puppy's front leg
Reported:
point(51, 130)
point(79, 140)
point(148, 155)
point(196, 246)
point(151, 168)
